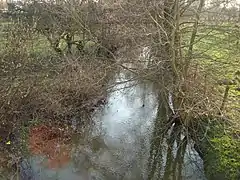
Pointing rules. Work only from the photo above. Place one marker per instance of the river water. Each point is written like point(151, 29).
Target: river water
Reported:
point(117, 145)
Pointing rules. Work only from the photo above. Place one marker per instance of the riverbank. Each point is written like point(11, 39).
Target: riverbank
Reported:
point(218, 146)
point(217, 62)
point(49, 88)
point(117, 144)
point(55, 73)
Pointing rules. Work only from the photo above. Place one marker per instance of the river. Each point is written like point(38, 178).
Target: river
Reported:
point(117, 145)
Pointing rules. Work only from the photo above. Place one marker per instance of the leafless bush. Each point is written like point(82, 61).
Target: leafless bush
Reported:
point(78, 87)
point(48, 87)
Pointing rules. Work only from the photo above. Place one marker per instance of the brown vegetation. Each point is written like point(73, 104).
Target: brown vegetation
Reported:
point(63, 94)
point(47, 87)
point(180, 36)
point(51, 143)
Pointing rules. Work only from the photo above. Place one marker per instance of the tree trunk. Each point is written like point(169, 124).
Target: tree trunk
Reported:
point(193, 37)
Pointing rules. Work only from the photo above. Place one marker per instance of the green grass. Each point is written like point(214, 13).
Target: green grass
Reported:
point(217, 53)
point(222, 51)
point(222, 158)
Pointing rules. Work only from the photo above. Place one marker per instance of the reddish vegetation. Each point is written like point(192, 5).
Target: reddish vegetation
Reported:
point(49, 141)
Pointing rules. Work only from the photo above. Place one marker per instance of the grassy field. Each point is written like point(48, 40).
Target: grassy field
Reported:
point(217, 57)
point(221, 60)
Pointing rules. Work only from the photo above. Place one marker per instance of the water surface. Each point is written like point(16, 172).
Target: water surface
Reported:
point(118, 144)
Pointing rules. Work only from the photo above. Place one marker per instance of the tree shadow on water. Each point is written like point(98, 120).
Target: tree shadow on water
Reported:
point(168, 147)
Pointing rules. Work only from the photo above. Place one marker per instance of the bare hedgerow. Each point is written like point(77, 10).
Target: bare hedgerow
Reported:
point(49, 87)
point(75, 87)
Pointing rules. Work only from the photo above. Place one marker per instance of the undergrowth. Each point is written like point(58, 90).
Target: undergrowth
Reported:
point(45, 85)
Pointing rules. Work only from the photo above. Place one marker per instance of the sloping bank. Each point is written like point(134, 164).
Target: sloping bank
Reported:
point(219, 148)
